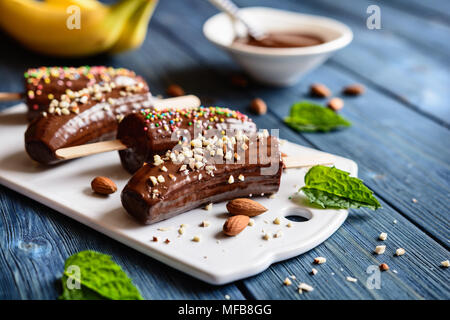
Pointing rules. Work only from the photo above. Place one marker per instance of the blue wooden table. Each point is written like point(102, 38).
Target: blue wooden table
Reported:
point(400, 139)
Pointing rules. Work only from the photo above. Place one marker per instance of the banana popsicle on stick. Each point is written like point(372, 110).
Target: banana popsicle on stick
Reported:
point(75, 106)
point(151, 132)
point(59, 90)
point(203, 171)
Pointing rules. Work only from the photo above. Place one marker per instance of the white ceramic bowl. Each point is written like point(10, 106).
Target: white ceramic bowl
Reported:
point(278, 66)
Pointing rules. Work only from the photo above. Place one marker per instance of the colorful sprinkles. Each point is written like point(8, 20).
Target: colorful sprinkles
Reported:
point(201, 117)
point(93, 80)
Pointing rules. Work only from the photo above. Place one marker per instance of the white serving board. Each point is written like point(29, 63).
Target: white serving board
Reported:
point(216, 259)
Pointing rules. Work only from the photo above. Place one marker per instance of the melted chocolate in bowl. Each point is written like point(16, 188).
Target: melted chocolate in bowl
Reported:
point(282, 40)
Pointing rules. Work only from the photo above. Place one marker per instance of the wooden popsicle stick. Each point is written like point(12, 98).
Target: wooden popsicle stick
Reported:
point(116, 145)
point(188, 101)
point(10, 96)
point(89, 149)
point(308, 160)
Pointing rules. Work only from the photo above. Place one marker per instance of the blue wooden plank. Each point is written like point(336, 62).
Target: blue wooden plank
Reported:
point(422, 31)
point(415, 75)
point(163, 63)
point(358, 254)
point(393, 144)
point(349, 252)
point(432, 9)
point(36, 240)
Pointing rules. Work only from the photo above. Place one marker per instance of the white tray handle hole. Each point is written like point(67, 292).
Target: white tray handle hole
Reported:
point(298, 214)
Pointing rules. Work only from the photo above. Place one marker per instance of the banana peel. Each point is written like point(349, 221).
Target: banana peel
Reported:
point(42, 26)
point(133, 35)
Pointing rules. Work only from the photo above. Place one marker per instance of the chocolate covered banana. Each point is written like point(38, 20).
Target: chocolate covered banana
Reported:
point(47, 87)
point(75, 106)
point(152, 131)
point(203, 171)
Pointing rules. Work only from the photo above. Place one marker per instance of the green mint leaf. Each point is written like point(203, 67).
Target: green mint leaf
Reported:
point(311, 117)
point(100, 278)
point(84, 293)
point(334, 188)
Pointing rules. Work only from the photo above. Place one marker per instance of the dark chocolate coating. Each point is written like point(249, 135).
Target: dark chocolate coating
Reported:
point(65, 78)
point(96, 121)
point(188, 192)
point(143, 145)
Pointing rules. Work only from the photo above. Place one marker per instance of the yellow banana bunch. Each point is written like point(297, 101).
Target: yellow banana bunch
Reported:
point(47, 26)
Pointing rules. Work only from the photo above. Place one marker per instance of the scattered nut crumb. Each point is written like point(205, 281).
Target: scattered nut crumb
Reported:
point(400, 252)
point(208, 207)
point(384, 267)
point(266, 236)
point(163, 229)
point(382, 236)
point(167, 241)
point(445, 263)
point(205, 224)
point(230, 179)
point(351, 279)
point(196, 239)
point(227, 297)
point(287, 282)
point(175, 90)
point(155, 239)
point(314, 271)
point(292, 277)
point(320, 260)
point(289, 225)
point(279, 234)
point(181, 230)
point(395, 221)
point(258, 106)
point(414, 200)
point(319, 90)
point(277, 220)
point(251, 222)
point(380, 249)
point(303, 286)
point(335, 104)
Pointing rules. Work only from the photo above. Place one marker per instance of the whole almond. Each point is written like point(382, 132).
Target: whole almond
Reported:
point(235, 224)
point(319, 90)
point(175, 90)
point(246, 207)
point(354, 90)
point(258, 106)
point(103, 185)
point(335, 104)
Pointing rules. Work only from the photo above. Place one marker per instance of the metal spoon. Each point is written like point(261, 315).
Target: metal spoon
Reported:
point(230, 8)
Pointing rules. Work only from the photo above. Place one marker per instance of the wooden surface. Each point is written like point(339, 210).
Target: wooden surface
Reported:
point(400, 139)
